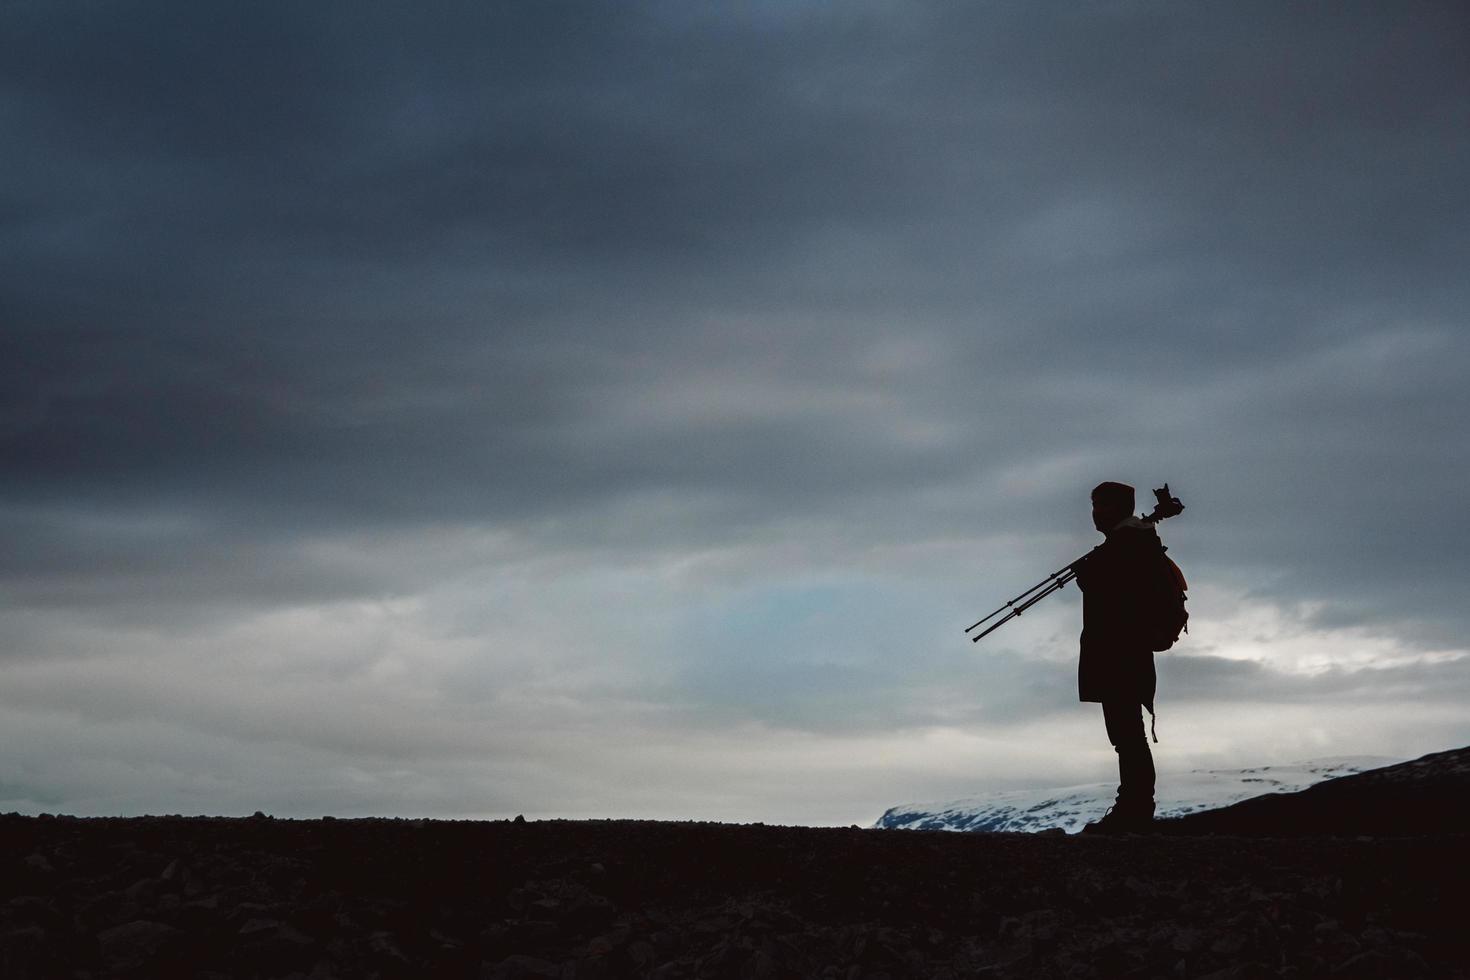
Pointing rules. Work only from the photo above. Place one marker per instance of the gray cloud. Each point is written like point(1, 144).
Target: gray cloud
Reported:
point(1189, 678)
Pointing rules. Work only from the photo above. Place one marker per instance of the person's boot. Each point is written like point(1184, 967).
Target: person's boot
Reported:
point(1123, 819)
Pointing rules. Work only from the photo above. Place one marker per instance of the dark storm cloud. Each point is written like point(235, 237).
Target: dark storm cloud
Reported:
point(496, 205)
point(294, 270)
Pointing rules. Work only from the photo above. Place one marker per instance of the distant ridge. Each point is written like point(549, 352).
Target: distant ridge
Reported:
point(1068, 808)
point(1428, 795)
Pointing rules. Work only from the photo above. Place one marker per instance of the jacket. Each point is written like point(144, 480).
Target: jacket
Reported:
point(1116, 662)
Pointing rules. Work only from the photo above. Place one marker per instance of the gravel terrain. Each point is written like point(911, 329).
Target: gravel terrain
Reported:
point(1374, 894)
point(260, 897)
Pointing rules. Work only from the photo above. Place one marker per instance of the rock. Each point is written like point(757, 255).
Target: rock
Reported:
point(33, 910)
point(384, 945)
point(272, 946)
point(589, 912)
point(37, 862)
point(1241, 971)
point(1335, 943)
point(245, 911)
point(1372, 965)
point(1038, 925)
point(260, 927)
point(520, 967)
point(136, 944)
point(714, 925)
point(27, 952)
point(142, 891)
point(1374, 937)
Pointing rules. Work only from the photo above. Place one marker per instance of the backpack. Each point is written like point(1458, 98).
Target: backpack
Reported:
point(1167, 617)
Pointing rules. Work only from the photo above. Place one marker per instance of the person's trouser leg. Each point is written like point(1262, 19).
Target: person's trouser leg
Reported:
point(1124, 721)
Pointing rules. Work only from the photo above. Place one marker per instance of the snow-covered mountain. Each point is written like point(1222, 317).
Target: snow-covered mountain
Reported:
point(1072, 806)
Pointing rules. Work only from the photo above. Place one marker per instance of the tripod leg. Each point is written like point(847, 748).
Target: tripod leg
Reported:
point(1053, 581)
point(1012, 603)
point(1018, 610)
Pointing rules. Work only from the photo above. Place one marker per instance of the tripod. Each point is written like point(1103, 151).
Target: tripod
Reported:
point(1055, 581)
point(1168, 506)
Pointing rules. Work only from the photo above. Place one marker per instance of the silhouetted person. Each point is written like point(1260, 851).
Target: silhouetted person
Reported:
point(1116, 666)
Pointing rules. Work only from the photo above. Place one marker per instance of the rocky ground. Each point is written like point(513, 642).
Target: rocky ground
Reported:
point(260, 897)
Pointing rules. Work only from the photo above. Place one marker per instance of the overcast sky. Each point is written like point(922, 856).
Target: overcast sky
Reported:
point(619, 409)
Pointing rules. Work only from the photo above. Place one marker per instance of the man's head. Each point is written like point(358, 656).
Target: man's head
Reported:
point(1111, 503)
